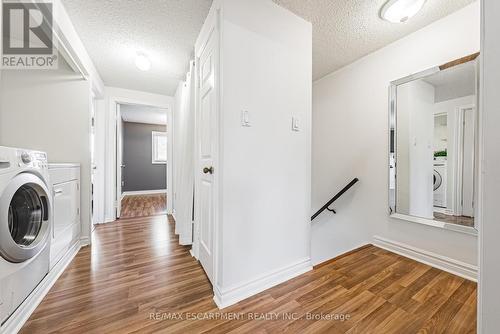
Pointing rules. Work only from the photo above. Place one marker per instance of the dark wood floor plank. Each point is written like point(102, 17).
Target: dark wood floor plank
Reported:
point(136, 270)
point(143, 205)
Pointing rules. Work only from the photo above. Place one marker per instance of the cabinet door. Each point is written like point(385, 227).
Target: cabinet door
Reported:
point(66, 206)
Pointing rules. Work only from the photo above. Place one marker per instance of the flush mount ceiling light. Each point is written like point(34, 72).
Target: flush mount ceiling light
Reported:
point(142, 62)
point(399, 11)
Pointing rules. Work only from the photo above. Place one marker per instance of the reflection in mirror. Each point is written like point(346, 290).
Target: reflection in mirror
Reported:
point(432, 146)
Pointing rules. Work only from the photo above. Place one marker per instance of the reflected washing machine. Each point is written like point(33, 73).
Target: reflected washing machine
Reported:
point(25, 222)
point(440, 168)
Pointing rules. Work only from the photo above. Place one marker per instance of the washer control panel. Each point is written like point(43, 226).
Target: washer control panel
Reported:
point(25, 157)
point(32, 158)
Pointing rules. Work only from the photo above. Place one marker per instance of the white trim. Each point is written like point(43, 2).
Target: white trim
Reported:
point(123, 96)
point(24, 311)
point(119, 163)
point(175, 223)
point(154, 148)
point(435, 223)
point(64, 165)
point(84, 241)
point(239, 292)
point(183, 241)
point(459, 156)
point(144, 192)
point(447, 264)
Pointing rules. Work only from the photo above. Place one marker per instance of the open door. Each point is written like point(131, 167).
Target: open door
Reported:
point(468, 159)
point(207, 144)
point(94, 204)
point(119, 160)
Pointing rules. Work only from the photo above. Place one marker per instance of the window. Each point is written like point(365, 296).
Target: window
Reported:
point(159, 145)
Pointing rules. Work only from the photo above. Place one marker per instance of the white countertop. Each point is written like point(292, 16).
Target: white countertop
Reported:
point(63, 165)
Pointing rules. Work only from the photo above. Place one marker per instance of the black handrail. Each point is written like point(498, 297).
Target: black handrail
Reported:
point(336, 197)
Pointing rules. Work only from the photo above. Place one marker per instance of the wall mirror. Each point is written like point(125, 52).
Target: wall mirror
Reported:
point(433, 122)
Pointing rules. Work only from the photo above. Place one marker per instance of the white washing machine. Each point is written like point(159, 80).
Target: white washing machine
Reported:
point(440, 171)
point(25, 222)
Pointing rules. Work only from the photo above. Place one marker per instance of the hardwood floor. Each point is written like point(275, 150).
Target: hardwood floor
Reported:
point(137, 279)
point(143, 205)
point(459, 220)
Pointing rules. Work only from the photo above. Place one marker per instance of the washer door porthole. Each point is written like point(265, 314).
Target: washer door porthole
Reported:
point(438, 180)
point(25, 209)
point(26, 212)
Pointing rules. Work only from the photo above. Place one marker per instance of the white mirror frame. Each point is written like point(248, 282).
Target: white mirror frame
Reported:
point(393, 137)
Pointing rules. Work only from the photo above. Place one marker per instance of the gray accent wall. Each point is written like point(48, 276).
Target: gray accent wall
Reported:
point(140, 173)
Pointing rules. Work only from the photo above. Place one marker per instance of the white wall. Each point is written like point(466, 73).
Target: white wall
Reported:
point(183, 163)
point(350, 139)
point(266, 70)
point(111, 96)
point(441, 133)
point(49, 110)
point(489, 289)
point(415, 102)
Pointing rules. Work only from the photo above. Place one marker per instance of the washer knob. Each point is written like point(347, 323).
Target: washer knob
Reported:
point(26, 158)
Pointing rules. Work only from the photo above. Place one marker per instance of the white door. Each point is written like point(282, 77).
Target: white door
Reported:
point(93, 165)
point(468, 164)
point(207, 143)
point(119, 160)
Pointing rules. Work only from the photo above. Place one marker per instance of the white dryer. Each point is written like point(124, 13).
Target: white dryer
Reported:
point(440, 180)
point(25, 222)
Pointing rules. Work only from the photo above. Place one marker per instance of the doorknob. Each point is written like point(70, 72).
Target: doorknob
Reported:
point(207, 170)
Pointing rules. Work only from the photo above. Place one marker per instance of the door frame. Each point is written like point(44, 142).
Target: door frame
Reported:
point(95, 201)
point(459, 157)
point(111, 158)
point(211, 27)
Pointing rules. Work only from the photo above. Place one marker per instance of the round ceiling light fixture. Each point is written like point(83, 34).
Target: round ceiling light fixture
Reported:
point(142, 62)
point(400, 11)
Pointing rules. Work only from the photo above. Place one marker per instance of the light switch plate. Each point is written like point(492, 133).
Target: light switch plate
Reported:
point(295, 123)
point(245, 118)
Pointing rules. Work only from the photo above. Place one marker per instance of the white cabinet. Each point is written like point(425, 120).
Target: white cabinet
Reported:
point(66, 227)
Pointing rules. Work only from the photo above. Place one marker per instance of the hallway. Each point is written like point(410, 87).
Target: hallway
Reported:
point(136, 268)
point(134, 206)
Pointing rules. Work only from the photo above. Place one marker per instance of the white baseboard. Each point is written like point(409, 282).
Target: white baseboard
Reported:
point(84, 241)
point(144, 192)
point(452, 266)
point(183, 241)
point(176, 228)
point(24, 311)
point(234, 294)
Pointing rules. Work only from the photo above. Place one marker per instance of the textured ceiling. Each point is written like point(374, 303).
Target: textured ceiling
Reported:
point(346, 30)
point(454, 82)
point(114, 30)
point(143, 114)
